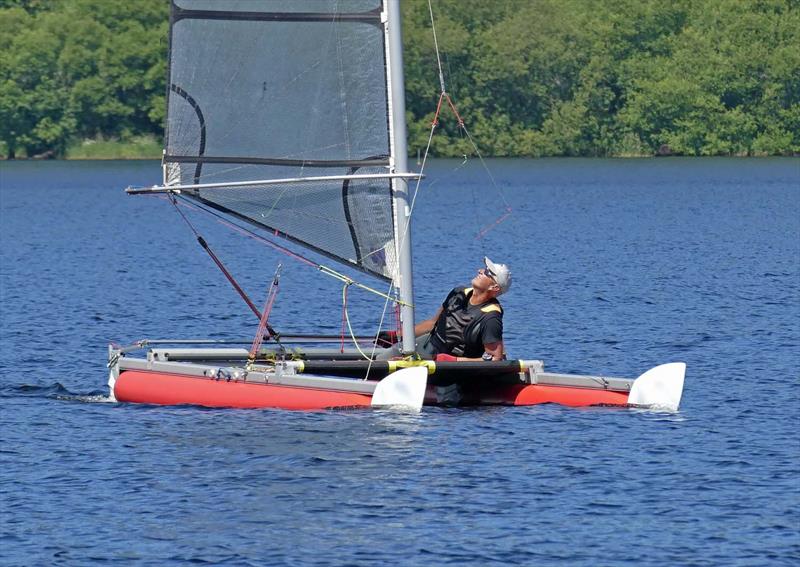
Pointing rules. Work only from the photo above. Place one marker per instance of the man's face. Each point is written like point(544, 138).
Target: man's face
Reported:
point(484, 279)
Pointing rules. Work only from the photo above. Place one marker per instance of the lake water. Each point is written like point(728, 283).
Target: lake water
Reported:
point(618, 265)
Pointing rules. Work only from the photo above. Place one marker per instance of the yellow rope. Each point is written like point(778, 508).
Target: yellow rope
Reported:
point(349, 281)
point(347, 318)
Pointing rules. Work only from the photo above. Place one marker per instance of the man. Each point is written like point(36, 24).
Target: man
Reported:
point(469, 324)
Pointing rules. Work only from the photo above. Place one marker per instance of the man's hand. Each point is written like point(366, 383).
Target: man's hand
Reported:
point(386, 339)
point(446, 358)
point(496, 350)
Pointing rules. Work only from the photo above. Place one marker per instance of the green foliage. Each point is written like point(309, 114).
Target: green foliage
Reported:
point(137, 147)
point(724, 85)
point(611, 77)
point(79, 69)
point(529, 78)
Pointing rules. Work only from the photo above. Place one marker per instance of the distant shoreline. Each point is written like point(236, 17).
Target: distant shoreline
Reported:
point(158, 157)
point(116, 151)
point(150, 147)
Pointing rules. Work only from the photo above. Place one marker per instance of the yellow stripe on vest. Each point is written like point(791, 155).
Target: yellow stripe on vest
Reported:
point(492, 308)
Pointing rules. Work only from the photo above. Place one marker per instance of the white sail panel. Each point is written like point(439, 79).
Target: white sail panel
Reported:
point(285, 89)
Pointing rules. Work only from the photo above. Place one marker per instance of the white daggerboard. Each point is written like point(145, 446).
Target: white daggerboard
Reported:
point(404, 388)
point(660, 387)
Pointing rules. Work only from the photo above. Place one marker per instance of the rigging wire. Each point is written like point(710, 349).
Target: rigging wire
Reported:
point(508, 210)
point(347, 281)
point(272, 332)
point(388, 296)
point(404, 234)
point(263, 240)
point(436, 47)
point(443, 97)
point(434, 123)
point(263, 320)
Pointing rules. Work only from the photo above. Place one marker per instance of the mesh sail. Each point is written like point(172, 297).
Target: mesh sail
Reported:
point(286, 89)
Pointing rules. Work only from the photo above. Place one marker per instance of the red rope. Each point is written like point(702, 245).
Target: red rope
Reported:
point(273, 333)
point(451, 104)
point(218, 262)
point(253, 235)
point(453, 108)
point(344, 318)
point(487, 228)
point(435, 121)
point(263, 324)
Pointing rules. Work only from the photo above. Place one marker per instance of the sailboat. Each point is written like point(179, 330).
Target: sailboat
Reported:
point(288, 118)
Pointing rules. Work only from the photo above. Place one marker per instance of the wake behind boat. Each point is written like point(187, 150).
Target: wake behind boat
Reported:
point(290, 120)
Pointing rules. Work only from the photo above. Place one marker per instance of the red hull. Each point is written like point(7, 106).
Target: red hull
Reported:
point(173, 389)
point(533, 394)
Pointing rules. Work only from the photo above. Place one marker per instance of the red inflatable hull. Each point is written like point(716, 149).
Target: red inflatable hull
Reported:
point(174, 389)
point(533, 394)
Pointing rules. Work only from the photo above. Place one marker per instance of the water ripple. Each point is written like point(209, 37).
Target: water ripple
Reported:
point(607, 283)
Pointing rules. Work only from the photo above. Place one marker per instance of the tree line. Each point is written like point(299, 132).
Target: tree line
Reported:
point(529, 77)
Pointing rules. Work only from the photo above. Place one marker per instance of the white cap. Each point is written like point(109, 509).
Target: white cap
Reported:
point(502, 275)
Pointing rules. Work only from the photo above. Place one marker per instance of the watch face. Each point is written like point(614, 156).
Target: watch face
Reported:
point(487, 356)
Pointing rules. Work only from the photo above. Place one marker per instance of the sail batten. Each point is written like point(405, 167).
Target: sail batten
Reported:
point(261, 92)
point(372, 17)
point(276, 161)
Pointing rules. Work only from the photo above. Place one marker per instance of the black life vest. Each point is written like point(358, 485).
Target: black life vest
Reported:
point(460, 329)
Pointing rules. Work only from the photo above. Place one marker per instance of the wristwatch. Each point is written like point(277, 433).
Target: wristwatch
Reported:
point(486, 356)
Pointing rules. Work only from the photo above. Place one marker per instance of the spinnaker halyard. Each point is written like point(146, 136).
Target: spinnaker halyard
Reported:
point(289, 116)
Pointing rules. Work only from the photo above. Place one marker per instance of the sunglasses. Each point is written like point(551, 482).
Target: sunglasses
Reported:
point(488, 272)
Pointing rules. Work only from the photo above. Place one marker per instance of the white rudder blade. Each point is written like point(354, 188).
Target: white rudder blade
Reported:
point(660, 387)
point(404, 388)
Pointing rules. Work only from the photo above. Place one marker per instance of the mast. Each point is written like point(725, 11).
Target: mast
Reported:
point(399, 153)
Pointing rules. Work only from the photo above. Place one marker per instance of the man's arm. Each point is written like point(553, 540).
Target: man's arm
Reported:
point(493, 338)
point(388, 338)
point(497, 350)
point(427, 325)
